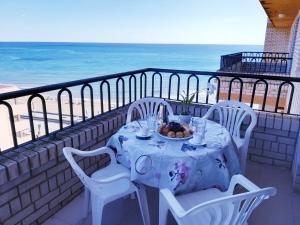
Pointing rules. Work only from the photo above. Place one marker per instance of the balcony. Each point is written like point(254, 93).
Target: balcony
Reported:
point(36, 182)
point(257, 62)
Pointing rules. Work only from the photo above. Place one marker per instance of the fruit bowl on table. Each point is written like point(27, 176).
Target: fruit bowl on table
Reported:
point(175, 131)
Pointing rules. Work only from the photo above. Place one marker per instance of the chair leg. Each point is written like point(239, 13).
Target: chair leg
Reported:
point(97, 209)
point(143, 203)
point(132, 196)
point(163, 211)
point(243, 159)
point(87, 202)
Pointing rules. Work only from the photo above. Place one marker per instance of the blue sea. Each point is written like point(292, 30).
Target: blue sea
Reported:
point(34, 64)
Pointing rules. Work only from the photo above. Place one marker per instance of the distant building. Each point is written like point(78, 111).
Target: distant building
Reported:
point(281, 57)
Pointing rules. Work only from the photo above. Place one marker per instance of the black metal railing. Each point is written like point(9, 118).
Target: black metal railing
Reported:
point(256, 62)
point(109, 92)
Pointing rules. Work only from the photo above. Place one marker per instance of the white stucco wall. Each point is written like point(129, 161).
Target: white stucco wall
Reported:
point(294, 49)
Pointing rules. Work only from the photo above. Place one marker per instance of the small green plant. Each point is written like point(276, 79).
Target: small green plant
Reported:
point(187, 99)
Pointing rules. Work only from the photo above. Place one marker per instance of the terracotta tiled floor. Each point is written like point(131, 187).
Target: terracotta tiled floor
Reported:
point(283, 209)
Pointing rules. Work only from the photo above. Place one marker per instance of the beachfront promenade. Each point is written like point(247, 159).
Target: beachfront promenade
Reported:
point(21, 118)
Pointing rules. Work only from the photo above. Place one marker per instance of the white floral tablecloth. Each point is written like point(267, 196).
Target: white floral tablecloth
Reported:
point(178, 165)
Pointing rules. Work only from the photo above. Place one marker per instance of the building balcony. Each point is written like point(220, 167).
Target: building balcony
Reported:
point(38, 186)
point(257, 62)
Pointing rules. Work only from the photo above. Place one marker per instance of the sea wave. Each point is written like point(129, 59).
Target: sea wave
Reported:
point(13, 58)
point(36, 59)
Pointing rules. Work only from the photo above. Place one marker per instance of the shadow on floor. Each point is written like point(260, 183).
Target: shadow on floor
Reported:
point(283, 209)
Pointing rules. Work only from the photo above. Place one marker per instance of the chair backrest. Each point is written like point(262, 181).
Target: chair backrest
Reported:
point(229, 210)
point(148, 106)
point(231, 116)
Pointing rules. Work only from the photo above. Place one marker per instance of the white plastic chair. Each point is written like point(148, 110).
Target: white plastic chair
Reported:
point(148, 107)
point(231, 116)
point(212, 206)
point(107, 184)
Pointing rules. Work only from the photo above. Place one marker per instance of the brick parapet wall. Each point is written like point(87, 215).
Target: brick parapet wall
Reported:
point(36, 181)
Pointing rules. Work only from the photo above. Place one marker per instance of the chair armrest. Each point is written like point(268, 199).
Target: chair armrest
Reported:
point(172, 202)
point(243, 181)
point(113, 178)
point(99, 151)
point(209, 112)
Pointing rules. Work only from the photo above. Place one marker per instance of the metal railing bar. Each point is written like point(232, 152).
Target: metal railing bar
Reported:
point(143, 75)
point(170, 85)
point(241, 88)
point(60, 115)
point(117, 91)
point(279, 94)
point(218, 88)
point(83, 100)
point(12, 122)
point(108, 95)
point(265, 94)
point(160, 83)
point(29, 107)
point(130, 87)
point(197, 86)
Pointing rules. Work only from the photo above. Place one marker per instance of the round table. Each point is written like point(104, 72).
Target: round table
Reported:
point(178, 165)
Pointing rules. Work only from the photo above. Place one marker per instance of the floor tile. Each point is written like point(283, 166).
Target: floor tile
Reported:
point(54, 221)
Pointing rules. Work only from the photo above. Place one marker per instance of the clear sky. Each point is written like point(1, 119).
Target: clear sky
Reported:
point(133, 21)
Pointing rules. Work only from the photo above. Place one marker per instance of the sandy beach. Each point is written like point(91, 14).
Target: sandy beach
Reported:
point(21, 119)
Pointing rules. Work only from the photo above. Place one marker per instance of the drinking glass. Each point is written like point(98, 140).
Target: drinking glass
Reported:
point(193, 123)
point(151, 122)
point(198, 125)
point(159, 120)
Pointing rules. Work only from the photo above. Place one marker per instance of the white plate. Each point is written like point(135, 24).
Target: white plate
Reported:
point(143, 137)
point(192, 141)
point(174, 139)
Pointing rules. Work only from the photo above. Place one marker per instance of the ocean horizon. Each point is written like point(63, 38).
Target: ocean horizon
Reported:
point(30, 64)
